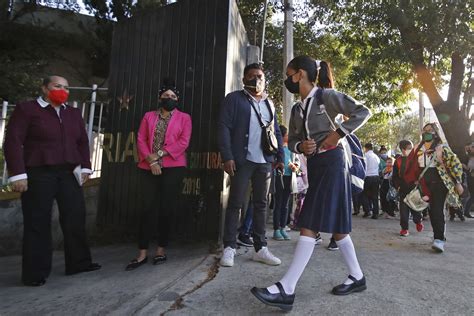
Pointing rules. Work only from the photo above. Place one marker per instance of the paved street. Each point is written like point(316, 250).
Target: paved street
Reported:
point(404, 278)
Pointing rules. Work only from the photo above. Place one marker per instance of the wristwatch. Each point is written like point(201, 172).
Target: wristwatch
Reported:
point(160, 153)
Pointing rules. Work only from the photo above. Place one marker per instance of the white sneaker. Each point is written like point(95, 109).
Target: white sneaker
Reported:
point(265, 256)
point(438, 245)
point(227, 259)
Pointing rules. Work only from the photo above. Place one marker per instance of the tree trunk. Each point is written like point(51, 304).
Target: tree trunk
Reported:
point(453, 122)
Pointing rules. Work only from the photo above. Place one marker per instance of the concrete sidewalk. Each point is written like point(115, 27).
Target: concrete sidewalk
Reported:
point(109, 291)
point(404, 278)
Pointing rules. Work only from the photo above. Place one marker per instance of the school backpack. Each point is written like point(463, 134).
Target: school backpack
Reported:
point(353, 151)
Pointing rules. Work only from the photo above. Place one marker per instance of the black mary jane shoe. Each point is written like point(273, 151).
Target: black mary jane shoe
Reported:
point(135, 264)
point(159, 259)
point(344, 289)
point(281, 300)
point(35, 283)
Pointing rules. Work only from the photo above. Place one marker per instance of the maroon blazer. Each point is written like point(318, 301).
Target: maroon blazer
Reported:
point(36, 136)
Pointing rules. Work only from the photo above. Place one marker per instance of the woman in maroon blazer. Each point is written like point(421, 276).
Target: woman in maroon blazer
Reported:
point(45, 141)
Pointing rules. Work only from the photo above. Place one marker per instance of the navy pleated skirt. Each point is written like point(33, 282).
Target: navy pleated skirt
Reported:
point(327, 205)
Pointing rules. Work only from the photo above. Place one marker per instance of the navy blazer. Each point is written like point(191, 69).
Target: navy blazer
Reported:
point(233, 129)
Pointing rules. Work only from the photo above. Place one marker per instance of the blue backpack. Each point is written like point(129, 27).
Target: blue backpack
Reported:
point(353, 151)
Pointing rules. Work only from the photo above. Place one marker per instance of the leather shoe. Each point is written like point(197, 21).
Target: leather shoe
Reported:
point(35, 283)
point(159, 259)
point(281, 300)
point(468, 215)
point(135, 264)
point(92, 267)
point(344, 289)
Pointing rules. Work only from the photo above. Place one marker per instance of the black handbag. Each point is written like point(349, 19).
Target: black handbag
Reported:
point(269, 140)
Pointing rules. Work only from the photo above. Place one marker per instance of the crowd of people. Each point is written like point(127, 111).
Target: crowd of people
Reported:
point(300, 172)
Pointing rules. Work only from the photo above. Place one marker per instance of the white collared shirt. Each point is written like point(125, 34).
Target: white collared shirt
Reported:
point(372, 164)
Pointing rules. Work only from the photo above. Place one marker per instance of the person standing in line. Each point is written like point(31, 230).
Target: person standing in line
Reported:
point(45, 143)
point(285, 183)
point(388, 206)
point(469, 168)
point(401, 184)
point(370, 195)
point(163, 137)
point(327, 206)
point(240, 143)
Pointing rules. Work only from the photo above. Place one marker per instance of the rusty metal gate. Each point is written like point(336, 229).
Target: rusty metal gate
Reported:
point(203, 45)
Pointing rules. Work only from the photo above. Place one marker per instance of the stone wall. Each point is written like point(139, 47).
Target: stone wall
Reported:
point(11, 220)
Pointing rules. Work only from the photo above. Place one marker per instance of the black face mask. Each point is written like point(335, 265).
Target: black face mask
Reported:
point(168, 104)
point(292, 87)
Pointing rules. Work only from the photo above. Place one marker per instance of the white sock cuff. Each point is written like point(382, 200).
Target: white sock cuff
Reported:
point(307, 239)
point(344, 240)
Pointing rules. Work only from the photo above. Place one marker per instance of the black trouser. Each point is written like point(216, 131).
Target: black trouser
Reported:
point(259, 174)
point(438, 197)
point(356, 202)
point(160, 196)
point(470, 201)
point(46, 184)
point(387, 206)
point(370, 198)
point(405, 212)
point(282, 195)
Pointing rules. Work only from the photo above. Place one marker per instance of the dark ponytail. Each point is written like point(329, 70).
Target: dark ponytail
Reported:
point(322, 79)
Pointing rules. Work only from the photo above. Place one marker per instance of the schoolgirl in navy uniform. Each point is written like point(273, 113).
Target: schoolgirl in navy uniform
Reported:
point(327, 206)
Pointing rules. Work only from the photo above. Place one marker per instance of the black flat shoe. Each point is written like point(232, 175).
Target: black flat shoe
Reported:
point(135, 264)
point(159, 259)
point(35, 283)
point(92, 267)
point(468, 215)
point(281, 300)
point(344, 289)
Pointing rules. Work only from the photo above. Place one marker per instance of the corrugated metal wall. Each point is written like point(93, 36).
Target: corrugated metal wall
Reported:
point(189, 41)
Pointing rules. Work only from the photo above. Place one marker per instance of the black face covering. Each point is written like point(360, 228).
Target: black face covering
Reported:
point(168, 104)
point(292, 87)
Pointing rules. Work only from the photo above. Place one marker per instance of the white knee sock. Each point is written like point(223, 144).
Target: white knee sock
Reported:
point(348, 253)
point(303, 251)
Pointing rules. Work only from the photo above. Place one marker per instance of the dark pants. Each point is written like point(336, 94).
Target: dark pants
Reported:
point(438, 197)
point(246, 227)
point(387, 206)
point(282, 195)
point(470, 186)
point(405, 212)
point(160, 196)
point(46, 184)
point(370, 195)
point(356, 202)
point(259, 174)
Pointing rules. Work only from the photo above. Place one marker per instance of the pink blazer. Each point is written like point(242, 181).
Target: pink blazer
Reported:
point(176, 142)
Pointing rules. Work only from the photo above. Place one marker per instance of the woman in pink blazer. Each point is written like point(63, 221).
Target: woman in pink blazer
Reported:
point(163, 138)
